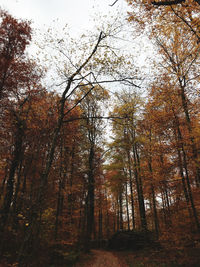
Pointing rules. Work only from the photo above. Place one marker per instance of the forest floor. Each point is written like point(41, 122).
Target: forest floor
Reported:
point(102, 258)
point(189, 257)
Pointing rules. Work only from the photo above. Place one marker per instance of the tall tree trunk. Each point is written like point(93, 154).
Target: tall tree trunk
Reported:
point(17, 155)
point(4, 181)
point(100, 223)
point(120, 210)
point(191, 136)
point(187, 190)
point(107, 217)
point(127, 206)
point(167, 204)
point(156, 222)
point(131, 190)
point(15, 197)
point(90, 204)
point(118, 216)
point(70, 201)
point(164, 208)
point(59, 206)
point(138, 181)
point(195, 215)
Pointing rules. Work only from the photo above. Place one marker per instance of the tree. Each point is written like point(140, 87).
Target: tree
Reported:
point(166, 14)
point(127, 110)
point(18, 79)
point(92, 131)
point(174, 28)
point(17, 71)
point(170, 3)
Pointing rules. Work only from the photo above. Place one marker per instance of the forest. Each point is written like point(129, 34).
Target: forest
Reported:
point(106, 153)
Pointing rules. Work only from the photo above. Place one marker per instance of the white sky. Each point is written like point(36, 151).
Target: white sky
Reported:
point(76, 13)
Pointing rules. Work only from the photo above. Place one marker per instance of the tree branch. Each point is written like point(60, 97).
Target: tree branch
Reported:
point(71, 78)
point(167, 3)
point(114, 3)
point(79, 101)
point(170, 3)
point(186, 22)
point(127, 80)
point(94, 117)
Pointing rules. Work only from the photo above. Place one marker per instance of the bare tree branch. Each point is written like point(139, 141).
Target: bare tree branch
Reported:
point(114, 3)
point(170, 3)
point(127, 80)
point(79, 101)
point(167, 3)
point(95, 117)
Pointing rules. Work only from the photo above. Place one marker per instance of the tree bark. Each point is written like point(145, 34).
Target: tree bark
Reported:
point(138, 181)
point(156, 222)
point(131, 190)
point(191, 136)
point(17, 155)
point(127, 206)
point(90, 197)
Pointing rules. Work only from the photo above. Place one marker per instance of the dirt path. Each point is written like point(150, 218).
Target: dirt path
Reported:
point(102, 258)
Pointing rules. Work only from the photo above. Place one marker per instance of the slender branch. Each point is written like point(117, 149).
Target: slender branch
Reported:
point(79, 101)
point(192, 78)
point(101, 37)
point(167, 3)
point(114, 3)
point(94, 117)
point(173, 66)
point(191, 63)
point(70, 80)
point(170, 3)
point(128, 80)
point(78, 85)
point(186, 22)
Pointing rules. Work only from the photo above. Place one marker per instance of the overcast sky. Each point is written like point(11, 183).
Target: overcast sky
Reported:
point(77, 13)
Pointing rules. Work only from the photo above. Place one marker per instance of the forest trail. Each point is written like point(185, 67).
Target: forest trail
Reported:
point(102, 258)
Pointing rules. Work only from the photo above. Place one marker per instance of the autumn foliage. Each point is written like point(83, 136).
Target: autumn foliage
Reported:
point(64, 188)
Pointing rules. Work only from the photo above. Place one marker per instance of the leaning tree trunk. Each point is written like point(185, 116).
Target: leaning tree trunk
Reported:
point(33, 228)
